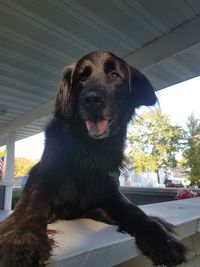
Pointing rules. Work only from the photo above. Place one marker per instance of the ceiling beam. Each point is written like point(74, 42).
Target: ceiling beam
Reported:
point(176, 41)
point(35, 114)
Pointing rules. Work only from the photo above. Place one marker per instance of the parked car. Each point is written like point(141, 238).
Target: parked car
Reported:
point(172, 182)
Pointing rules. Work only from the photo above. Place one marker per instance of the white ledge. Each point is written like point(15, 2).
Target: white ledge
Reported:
point(87, 243)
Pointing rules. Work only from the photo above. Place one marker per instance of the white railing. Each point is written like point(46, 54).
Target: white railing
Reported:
point(87, 243)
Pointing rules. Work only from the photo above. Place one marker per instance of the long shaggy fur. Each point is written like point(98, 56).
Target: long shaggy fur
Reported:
point(84, 147)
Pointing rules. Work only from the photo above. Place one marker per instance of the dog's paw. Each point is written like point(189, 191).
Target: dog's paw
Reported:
point(159, 245)
point(23, 249)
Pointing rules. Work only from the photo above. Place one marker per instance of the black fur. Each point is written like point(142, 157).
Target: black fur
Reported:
point(84, 146)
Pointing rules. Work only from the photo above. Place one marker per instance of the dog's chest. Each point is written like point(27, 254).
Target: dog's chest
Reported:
point(97, 157)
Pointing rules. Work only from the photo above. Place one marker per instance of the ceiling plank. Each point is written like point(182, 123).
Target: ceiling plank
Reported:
point(37, 113)
point(170, 44)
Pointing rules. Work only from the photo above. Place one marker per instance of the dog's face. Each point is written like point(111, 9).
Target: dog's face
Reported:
point(103, 91)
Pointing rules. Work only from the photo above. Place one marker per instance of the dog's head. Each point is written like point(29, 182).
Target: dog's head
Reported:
point(103, 91)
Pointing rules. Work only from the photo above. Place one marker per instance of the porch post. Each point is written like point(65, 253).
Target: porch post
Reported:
point(9, 164)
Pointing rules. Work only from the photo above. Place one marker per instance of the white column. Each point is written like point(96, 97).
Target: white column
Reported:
point(9, 164)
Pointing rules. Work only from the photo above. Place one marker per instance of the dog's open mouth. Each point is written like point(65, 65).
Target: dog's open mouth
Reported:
point(98, 129)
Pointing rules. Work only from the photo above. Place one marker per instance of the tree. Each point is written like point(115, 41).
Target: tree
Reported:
point(192, 149)
point(23, 166)
point(153, 143)
point(2, 154)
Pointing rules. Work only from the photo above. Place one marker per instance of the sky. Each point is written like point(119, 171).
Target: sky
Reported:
point(178, 101)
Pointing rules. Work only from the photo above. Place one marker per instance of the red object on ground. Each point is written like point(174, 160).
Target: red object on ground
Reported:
point(186, 193)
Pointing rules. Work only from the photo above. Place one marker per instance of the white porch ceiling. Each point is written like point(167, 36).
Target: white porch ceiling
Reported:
point(38, 38)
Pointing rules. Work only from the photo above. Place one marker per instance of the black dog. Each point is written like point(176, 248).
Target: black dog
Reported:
point(84, 146)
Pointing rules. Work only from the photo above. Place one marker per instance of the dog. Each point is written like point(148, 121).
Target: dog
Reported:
point(84, 146)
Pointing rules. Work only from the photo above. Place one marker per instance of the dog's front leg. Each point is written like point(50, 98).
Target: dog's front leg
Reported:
point(152, 235)
point(23, 235)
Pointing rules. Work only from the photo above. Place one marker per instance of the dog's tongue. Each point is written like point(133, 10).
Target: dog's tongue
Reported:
point(96, 128)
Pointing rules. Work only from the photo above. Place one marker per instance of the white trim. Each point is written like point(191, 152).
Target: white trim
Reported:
point(9, 165)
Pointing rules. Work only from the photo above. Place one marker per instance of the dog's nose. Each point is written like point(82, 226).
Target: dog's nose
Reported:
point(93, 100)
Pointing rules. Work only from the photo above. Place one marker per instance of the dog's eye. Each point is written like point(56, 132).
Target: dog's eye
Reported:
point(114, 76)
point(82, 78)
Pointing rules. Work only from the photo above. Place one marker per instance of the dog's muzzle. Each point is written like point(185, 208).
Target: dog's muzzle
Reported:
point(93, 103)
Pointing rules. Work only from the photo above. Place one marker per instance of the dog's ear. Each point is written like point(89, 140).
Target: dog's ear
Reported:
point(142, 91)
point(65, 97)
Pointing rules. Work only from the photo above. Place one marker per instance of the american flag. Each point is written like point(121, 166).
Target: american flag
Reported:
point(1, 166)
